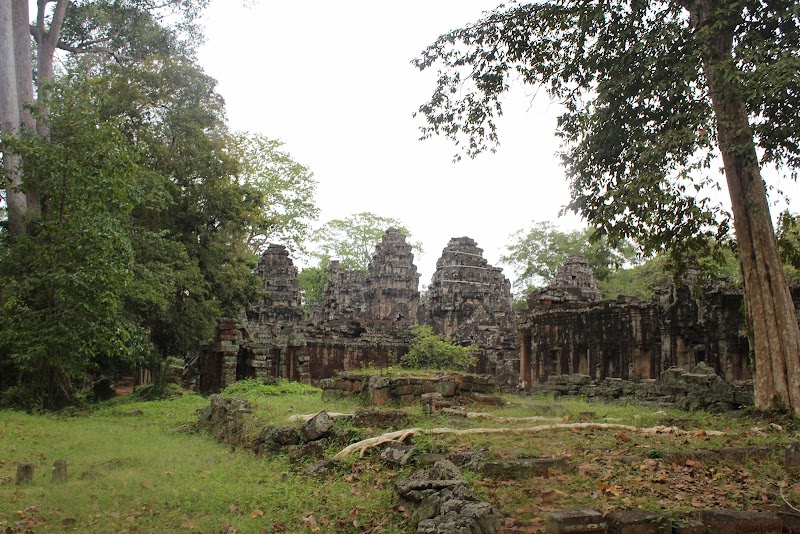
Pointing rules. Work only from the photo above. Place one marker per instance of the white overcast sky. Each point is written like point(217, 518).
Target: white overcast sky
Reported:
point(334, 82)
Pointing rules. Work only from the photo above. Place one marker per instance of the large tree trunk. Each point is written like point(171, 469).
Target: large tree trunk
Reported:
point(25, 94)
point(770, 311)
point(10, 120)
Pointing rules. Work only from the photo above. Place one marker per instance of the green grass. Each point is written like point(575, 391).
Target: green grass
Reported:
point(150, 472)
point(143, 472)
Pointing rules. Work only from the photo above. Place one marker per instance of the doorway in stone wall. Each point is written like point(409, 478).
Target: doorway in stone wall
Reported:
point(244, 364)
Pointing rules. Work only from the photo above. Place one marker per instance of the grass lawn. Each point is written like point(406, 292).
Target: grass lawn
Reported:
point(138, 467)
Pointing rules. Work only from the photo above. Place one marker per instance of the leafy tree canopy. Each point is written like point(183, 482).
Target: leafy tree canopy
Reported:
point(311, 282)
point(788, 233)
point(62, 301)
point(100, 31)
point(638, 129)
point(352, 240)
point(653, 92)
point(288, 189)
point(536, 252)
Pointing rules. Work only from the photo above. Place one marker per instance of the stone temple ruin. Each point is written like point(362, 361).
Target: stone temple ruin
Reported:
point(364, 318)
point(567, 329)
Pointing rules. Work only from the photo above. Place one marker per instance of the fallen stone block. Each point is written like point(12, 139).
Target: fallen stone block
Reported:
point(317, 426)
point(522, 467)
point(397, 454)
point(380, 418)
point(60, 471)
point(637, 522)
point(575, 521)
point(739, 522)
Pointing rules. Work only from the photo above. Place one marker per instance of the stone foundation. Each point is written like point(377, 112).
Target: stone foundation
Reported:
point(380, 390)
point(700, 389)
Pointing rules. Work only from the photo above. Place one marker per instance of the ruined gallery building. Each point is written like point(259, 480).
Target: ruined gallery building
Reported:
point(366, 318)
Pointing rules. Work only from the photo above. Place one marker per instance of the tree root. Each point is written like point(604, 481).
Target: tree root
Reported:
point(305, 418)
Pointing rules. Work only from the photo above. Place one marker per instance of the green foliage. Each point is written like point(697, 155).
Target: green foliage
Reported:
point(62, 297)
point(311, 282)
point(788, 233)
point(639, 131)
point(149, 232)
point(198, 205)
point(270, 387)
point(352, 240)
point(638, 281)
point(535, 253)
point(719, 265)
point(430, 351)
point(287, 188)
point(100, 32)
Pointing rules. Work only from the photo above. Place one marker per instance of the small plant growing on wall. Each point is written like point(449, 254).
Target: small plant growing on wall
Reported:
point(431, 351)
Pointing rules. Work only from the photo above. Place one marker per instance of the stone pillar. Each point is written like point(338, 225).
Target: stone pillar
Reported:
point(24, 474)
point(524, 358)
point(60, 471)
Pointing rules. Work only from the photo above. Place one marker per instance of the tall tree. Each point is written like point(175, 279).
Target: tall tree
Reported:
point(288, 188)
point(62, 310)
point(125, 30)
point(653, 91)
point(196, 207)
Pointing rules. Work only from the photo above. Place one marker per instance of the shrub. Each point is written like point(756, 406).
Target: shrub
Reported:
point(430, 351)
point(269, 387)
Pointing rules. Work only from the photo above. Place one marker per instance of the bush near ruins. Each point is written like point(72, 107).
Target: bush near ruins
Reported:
point(430, 351)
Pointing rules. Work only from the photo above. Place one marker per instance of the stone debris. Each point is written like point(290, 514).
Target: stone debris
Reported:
point(520, 468)
point(396, 454)
point(318, 426)
point(442, 503)
point(586, 521)
point(434, 392)
point(676, 387)
point(381, 418)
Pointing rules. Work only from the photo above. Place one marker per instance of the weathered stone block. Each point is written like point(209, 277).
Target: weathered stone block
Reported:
point(397, 454)
point(637, 522)
point(495, 400)
point(672, 377)
point(317, 426)
point(378, 382)
point(447, 388)
point(792, 457)
point(407, 389)
point(407, 400)
point(522, 467)
point(579, 379)
point(379, 397)
point(575, 521)
point(380, 418)
point(24, 474)
point(59, 471)
point(739, 522)
point(688, 525)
